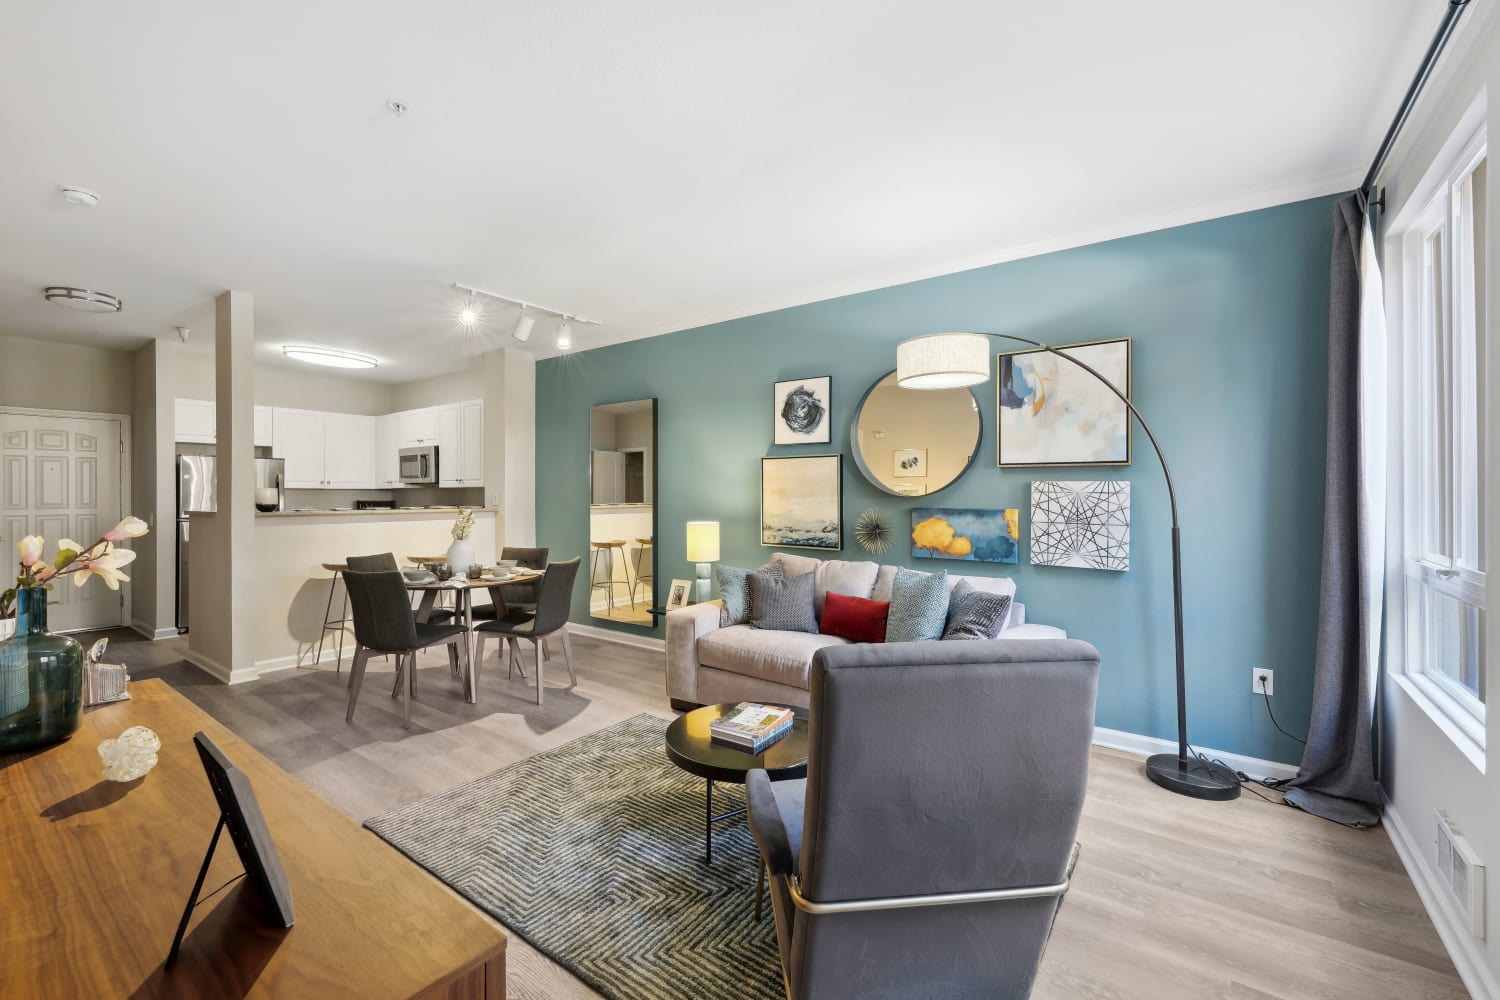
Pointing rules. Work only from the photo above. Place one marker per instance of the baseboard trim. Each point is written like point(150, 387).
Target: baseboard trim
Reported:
point(622, 638)
point(1116, 739)
point(1461, 946)
point(150, 632)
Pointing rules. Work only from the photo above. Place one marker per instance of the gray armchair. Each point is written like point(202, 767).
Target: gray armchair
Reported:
point(936, 769)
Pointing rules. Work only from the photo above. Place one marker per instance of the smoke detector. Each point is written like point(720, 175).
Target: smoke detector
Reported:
point(79, 196)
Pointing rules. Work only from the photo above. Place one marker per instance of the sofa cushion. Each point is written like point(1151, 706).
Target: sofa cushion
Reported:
point(844, 576)
point(782, 657)
point(734, 591)
point(782, 604)
point(857, 619)
point(919, 606)
point(796, 565)
point(974, 614)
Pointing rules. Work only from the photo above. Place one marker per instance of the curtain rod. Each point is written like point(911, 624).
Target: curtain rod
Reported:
point(1429, 61)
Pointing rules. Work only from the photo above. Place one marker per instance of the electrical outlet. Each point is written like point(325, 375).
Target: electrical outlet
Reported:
point(1263, 681)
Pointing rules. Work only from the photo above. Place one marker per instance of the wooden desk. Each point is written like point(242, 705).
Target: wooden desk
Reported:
point(94, 876)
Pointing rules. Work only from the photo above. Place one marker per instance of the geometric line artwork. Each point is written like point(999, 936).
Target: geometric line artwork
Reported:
point(1081, 524)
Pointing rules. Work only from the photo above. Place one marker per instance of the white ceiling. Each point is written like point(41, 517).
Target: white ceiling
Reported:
point(655, 165)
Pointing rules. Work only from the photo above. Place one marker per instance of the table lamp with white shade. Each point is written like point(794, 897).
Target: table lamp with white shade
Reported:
point(703, 549)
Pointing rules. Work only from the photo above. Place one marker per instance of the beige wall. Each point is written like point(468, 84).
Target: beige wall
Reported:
point(49, 375)
point(153, 488)
point(454, 387)
point(279, 386)
point(1421, 768)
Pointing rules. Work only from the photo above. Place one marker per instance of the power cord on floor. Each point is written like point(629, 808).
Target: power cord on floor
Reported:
point(1245, 780)
point(1273, 718)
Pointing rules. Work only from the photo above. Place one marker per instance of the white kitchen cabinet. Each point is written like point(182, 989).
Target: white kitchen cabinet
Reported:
point(297, 437)
point(471, 443)
point(196, 421)
point(264, 435)
point(418, 427)
point(387, 444)
point(450, 445)
point(348, 451)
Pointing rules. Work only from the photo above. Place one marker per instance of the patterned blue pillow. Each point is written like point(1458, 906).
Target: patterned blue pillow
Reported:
point(975, 614)
point(919, 606)
point(734, 591)
point(782, 603)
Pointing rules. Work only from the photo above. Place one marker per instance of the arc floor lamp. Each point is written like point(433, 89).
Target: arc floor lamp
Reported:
point(955, 360)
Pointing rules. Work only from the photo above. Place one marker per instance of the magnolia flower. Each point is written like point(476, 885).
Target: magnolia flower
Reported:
point(105, 567)
point(30, 548)
point(130, 527)
point(64, 544)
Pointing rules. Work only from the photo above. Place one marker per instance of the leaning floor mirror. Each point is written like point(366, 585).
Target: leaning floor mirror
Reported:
point(622, 511)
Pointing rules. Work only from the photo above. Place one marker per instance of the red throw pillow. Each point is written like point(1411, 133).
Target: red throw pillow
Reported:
point(857, 619)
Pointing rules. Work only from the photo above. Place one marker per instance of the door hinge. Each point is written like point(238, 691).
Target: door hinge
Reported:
point(122, 447)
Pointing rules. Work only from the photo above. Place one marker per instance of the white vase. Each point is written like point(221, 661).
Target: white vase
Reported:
point(7, 628)
point(461, 556)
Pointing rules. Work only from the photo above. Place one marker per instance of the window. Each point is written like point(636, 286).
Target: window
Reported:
point(1442, 583)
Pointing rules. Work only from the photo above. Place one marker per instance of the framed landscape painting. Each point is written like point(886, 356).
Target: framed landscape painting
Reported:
point(975, 535)
point(1052, 412)
point(801, 502)
point(802, 411)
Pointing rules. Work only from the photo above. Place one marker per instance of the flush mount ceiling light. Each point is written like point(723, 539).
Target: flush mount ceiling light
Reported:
point(329, 357)
point(83, 299)
point(526, 320)
point(79, 196)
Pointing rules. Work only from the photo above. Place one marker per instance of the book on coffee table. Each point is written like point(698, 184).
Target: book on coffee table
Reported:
point(751, 727)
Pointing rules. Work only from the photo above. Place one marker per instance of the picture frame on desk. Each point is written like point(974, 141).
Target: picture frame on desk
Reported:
point(678, 594)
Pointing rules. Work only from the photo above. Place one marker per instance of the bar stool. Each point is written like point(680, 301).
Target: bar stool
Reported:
point(331, 624)
point(607, 550)
point(643, 554)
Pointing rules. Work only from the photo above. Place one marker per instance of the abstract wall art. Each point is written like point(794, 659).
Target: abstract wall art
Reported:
point(802, 411)
point(801, 502)
point(1082, 524)
point(1052, 412)
point(976, 535)
point(909, 463)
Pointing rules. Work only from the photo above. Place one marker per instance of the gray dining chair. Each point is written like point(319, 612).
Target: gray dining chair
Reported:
point(554, 602)
point(387, 561)
point(929, 847)
point(516, 596)
point(383, 623)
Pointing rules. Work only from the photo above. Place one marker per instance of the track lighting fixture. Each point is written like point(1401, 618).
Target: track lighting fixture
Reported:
point(527, 318)
point(524, 323)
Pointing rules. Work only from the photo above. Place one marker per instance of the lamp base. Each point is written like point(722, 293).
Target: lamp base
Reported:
point(703, 586)
point(1194, 778)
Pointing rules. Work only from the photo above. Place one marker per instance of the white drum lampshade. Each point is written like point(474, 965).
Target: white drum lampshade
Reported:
point(943, 361)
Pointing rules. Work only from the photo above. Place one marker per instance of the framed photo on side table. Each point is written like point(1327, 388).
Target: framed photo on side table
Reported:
point(678, 594)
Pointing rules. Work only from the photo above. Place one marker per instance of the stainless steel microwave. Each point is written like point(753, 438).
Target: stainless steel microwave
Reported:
point(419, 466)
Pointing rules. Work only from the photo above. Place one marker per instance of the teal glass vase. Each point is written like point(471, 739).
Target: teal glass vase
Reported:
point(41, 679)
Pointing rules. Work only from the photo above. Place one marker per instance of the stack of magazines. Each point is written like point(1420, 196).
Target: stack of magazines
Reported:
point(751, 727)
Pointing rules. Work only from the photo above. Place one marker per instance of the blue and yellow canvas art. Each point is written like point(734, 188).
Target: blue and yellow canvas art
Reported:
point(976, 535)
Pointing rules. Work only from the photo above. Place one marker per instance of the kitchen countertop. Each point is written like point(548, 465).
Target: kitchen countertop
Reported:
point(379, 511)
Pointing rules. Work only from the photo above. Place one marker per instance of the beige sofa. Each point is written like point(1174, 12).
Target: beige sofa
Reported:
point(708, 664)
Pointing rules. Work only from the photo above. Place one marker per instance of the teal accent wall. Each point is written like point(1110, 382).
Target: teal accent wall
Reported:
point(1229, 325)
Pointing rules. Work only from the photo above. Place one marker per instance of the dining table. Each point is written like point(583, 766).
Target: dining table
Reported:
point(463, 590)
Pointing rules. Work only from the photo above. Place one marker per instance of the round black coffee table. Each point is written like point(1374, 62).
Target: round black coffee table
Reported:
point(691, 747)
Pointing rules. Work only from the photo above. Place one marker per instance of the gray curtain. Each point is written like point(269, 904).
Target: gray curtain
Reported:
point(1337, 778)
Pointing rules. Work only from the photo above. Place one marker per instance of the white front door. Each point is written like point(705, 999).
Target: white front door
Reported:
point(60, 477)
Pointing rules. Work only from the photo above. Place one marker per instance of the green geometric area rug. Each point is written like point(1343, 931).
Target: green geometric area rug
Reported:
point(593, 852)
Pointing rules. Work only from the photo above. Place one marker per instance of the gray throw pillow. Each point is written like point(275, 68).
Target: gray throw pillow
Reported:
point(919, 606)
point(975, 614)
point(734, 591)
point(784, 604)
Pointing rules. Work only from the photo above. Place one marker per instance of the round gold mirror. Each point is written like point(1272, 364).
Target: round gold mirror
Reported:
point(914, 442)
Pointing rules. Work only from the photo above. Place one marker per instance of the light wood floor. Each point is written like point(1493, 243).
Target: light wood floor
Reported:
point(1173, 898)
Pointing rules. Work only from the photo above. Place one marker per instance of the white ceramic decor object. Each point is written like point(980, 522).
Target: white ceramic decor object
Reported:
point(130, 755)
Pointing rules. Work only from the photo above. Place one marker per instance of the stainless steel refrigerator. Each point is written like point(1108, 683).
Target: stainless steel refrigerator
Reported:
point(197, 490)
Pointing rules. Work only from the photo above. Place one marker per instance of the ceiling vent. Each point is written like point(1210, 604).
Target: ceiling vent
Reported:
point(1461, 871)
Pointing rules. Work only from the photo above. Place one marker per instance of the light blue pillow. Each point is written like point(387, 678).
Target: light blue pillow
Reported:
point(919, 606)
point(734, 591)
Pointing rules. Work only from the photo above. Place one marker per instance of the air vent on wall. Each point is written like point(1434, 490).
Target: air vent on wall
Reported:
point(1460, 869)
